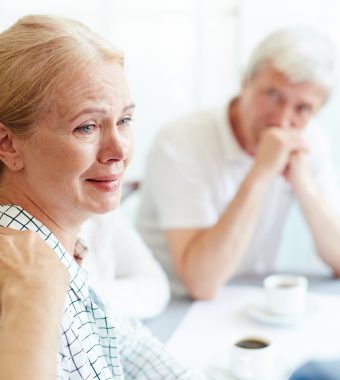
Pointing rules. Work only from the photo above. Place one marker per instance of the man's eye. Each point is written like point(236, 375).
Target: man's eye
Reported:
point(304, 109)
point(125, 121)
point(86, 129)
point(273, 94)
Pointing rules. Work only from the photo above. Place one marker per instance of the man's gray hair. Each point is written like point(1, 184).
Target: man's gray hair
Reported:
point(301, 53)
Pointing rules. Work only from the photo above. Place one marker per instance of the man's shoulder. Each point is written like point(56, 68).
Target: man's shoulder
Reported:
point(314, 128)
point(319, 145)
point(316, 134)
point(195, 125)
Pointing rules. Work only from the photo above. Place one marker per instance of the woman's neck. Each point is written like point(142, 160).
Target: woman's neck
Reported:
point(65, 231)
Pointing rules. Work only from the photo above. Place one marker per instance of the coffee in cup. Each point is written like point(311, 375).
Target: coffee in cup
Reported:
point(251, 358)
point(252, 343)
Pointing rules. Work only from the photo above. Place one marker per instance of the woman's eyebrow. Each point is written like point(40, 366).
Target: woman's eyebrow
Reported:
point(88, 110)
point(99, 110)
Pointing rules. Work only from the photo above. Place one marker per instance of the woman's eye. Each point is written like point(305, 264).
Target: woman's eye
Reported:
point(86, 129)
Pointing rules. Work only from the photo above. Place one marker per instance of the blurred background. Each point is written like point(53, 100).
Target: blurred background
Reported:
point(185, 55)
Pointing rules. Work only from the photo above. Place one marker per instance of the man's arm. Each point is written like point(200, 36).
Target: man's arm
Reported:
point(323, 222)
point(206, 258)
point(33, 286)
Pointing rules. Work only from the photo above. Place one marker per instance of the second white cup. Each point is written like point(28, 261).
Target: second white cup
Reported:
point(286, 294)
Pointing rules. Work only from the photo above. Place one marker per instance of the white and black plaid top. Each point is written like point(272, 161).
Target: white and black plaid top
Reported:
point(91, 347)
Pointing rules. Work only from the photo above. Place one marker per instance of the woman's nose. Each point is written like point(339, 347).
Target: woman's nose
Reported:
point(115, 147)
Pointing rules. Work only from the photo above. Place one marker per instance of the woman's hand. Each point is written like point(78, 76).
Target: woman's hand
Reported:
point(27, 262)
point(33, 285)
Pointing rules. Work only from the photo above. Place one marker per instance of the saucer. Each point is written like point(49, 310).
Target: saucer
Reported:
point(261, 314)
point(219, 372)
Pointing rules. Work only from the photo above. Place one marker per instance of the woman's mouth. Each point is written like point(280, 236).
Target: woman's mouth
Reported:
point(106, 184)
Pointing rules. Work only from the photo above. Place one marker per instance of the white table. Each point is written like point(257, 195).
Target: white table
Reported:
point(199, 334)
point(165, 325)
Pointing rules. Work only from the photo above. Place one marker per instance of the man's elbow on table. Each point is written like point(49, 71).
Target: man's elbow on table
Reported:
point(201, 294)
point(199, 288)
point(191, 265)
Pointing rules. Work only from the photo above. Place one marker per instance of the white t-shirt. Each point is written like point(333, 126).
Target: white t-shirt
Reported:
point(122, 269)
point(195, 168)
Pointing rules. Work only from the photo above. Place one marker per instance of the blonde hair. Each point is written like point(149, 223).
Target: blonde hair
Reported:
point(36, 54)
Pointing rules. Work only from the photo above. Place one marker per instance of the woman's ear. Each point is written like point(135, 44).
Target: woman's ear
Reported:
point(9, 153)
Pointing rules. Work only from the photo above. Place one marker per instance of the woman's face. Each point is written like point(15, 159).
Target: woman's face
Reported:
point(75, 161)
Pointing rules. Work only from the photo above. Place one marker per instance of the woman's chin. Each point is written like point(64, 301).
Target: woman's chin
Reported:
point(105, 207)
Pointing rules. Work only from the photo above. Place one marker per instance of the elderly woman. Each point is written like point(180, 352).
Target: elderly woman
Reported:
point(65, 142)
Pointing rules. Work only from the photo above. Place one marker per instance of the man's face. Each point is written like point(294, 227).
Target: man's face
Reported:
point(270, 99)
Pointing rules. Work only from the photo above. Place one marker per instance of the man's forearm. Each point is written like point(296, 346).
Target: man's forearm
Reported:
point(212, 257)
point(323, 222)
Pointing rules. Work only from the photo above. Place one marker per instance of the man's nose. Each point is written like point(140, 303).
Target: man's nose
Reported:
point(284, 117)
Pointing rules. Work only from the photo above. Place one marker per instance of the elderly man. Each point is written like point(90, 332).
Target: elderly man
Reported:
point(219, 183)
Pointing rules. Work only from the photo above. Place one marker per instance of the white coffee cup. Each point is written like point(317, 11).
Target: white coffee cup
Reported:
point(251, 358)
point(286, 294)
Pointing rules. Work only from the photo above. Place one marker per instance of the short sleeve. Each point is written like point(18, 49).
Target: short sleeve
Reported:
point(323, 168)
point(178, 183)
